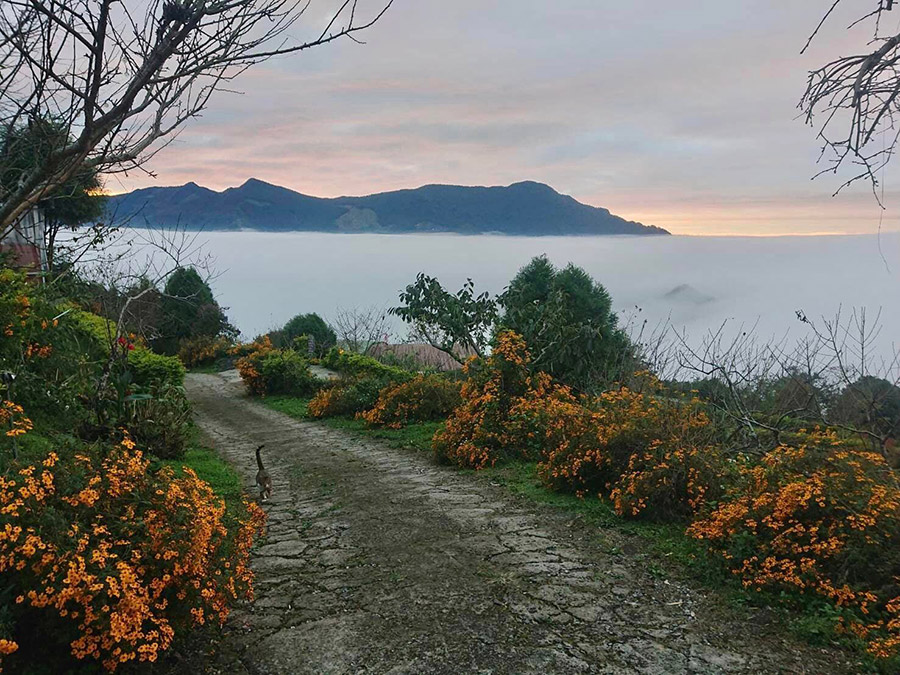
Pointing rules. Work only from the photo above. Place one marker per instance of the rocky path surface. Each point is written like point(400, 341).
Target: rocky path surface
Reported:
point(378, 561)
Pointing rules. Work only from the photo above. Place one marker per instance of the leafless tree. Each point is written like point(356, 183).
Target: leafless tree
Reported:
point(121, 76)
point(833, 377)
point(135, 269)
point(854, 99)
point(358, 329)
point(652, 346)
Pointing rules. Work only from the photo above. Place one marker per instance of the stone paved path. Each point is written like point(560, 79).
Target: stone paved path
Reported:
point(378, 561)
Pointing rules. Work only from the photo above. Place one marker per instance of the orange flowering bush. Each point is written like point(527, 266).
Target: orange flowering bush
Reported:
point(248, 363)
point(424, 398)
point(349, 396)
point(476, 435)
point(327, 402)
point(817, 518)
point(116, 558)
point(649, 452)
point(202, 350)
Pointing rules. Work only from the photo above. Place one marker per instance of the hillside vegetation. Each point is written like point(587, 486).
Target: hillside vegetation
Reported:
point(520, 209)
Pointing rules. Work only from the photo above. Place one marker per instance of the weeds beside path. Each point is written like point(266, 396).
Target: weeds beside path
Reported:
point(377, 560)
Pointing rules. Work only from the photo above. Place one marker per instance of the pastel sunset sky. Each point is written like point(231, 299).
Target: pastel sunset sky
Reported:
point(678, 113)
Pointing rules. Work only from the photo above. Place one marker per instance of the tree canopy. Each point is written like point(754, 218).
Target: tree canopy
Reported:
point(458, 324)
point(312, 325)
point(74, 202)
point(568, 324)
point(188, 310)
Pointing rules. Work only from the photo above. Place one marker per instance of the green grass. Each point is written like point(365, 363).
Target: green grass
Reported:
point(208, 466)
point(289, 405)
point(413, 437)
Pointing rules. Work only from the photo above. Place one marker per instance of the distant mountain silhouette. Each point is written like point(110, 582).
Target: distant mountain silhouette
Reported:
point(526, 208)
point(687, 294)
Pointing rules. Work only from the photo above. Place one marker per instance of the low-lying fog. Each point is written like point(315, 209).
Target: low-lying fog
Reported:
point(693, 282)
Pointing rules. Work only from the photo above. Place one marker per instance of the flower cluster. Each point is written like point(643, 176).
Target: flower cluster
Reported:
point(349, 395)
point(651, 453)
point(13, 420)
point(124, 557)
point(817, 517)
point(326, 402)
point(424, 398)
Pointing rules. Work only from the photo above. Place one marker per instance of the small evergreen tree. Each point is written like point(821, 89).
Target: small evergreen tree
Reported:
point(568, 324)
point(312, 325)
point(188, 310)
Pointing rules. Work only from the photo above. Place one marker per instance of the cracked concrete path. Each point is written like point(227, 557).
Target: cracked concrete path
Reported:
point(378, 561)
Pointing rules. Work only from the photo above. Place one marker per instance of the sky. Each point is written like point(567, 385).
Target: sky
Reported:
point(676, 113)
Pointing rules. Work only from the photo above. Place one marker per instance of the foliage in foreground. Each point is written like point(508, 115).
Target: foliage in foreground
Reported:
point(116, 557)
point(817, 518)
point(105, 555)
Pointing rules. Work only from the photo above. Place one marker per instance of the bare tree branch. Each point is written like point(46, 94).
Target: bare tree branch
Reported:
point(854, 100)
point(120, 76)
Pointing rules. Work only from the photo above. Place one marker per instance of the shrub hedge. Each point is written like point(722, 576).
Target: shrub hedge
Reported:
point(266, 370)
point(350, 363)
point(423, 398)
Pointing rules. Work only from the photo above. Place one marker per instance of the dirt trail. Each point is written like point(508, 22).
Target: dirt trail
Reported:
point(379, 561)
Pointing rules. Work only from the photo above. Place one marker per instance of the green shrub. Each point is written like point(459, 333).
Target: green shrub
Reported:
point(267, 370)
point(94, 333)
point(350, 363)
point(159, 424)
point(567, 320)
point(310, 325)
point(154, 371)
point(286, 372)
point(422, 399)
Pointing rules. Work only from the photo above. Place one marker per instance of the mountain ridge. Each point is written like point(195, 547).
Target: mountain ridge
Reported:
point(523, 208)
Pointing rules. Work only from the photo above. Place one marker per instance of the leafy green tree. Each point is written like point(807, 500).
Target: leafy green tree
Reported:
point(188, 310)
point(568, 324)
point(312, 325)
point(458, 324)
point(74, 202)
